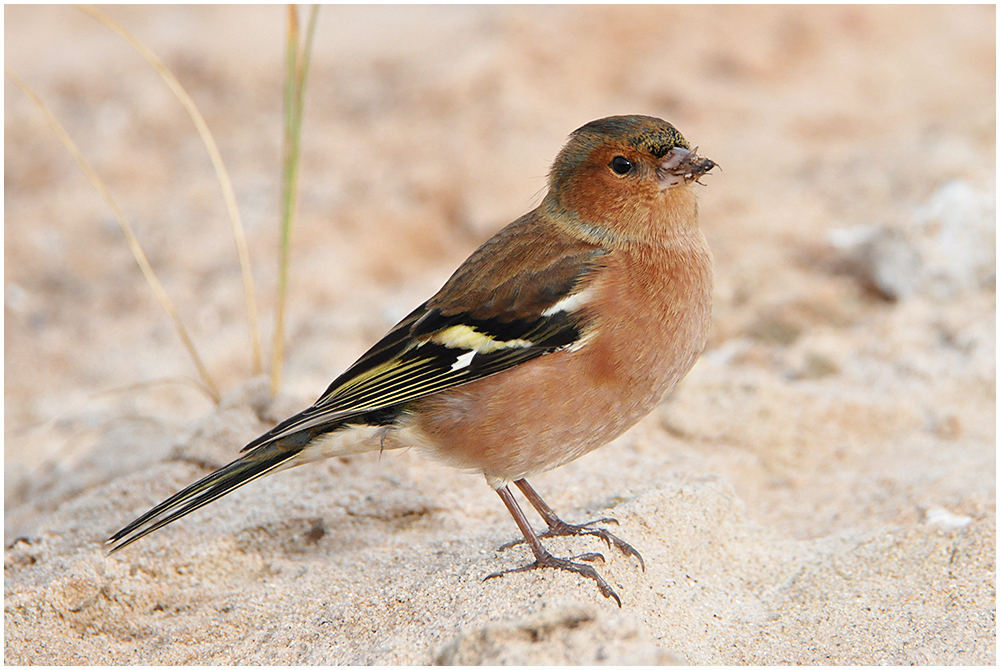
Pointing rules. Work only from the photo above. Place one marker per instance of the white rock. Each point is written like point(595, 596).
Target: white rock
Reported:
point(939, 516)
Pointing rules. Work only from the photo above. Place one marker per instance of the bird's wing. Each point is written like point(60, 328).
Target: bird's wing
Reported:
point(487, 318)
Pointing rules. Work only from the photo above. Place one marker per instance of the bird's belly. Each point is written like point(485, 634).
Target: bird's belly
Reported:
point(552, 410)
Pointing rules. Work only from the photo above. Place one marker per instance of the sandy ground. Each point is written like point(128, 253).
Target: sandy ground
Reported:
point(820, 489)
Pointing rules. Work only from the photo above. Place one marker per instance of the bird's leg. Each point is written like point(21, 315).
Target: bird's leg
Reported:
point(558, 527)
point(543, 559)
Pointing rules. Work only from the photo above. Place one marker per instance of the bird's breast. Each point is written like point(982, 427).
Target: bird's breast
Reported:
point(654, 316)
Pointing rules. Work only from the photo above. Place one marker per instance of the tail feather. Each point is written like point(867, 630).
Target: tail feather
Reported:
point(242, 471)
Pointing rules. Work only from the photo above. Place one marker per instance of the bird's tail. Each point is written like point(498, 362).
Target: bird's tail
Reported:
point(260, 462)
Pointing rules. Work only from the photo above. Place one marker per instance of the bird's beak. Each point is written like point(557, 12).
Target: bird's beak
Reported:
point(682, 166)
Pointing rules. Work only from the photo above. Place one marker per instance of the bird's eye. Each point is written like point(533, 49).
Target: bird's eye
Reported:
point(621, 165)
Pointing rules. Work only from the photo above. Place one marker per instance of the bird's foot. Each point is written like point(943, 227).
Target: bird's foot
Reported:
point(559, 528)
point(547, 560)
point(563, 529)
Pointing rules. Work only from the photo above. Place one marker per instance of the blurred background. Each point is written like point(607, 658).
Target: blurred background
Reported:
point(838, 130)
point(850, 379)
point(857, 186)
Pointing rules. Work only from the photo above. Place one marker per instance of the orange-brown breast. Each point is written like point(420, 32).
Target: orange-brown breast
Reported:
point(649, 326)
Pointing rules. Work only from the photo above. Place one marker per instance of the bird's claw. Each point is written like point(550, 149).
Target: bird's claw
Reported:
point(547, 560)
point(591, 557)
point(507, 545)
point(562, 529)
point(607, 519)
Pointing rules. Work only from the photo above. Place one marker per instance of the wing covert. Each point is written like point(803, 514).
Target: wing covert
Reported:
point(484, 320)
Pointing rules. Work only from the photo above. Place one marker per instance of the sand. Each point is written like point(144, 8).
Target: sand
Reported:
point(820, 489)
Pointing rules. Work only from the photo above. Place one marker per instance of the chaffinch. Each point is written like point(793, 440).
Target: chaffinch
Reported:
point(555, 336)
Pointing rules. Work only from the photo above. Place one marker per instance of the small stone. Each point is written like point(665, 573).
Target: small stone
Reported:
point(939, 516)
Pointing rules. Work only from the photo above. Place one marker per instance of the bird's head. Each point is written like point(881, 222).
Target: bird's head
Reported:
point(626, 177)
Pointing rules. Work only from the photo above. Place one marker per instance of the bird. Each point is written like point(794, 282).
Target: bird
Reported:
point(554, 337)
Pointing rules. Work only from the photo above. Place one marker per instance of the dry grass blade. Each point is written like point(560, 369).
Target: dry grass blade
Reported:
point(133, 241)
point(220, 169)
point(296, 70)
